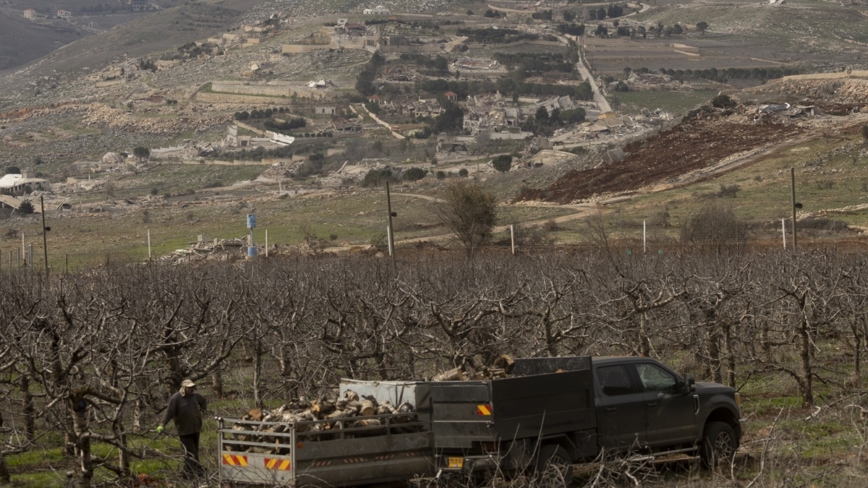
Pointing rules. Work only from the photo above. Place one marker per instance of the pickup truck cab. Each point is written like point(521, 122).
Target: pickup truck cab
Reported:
point(643, 405)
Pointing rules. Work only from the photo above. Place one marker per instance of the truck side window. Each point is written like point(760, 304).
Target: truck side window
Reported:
point(614, 380)
point(656, 379)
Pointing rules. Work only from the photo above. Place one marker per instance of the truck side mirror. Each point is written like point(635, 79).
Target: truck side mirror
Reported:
point(689, 383)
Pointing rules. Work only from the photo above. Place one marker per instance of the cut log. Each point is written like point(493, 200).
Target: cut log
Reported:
point(341, 414)
point(452, 375)
point(255, 414)
point(504, 362)
point(322, 408)
point(368, 408)
point(368, 423)
point(351, 396)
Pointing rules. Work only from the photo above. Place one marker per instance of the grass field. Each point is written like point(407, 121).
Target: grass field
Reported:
point(676, 103)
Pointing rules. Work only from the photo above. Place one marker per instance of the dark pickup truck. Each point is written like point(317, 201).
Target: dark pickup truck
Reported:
point(546, 415)
point(562, 411)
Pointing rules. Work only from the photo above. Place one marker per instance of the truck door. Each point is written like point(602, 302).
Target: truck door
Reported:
point(621, 419)
point(670, 412)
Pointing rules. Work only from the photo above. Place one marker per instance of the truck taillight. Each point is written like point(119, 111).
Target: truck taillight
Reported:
point(488, 446)
point(738, 399)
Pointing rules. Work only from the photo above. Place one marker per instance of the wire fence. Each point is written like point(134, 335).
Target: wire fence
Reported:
point(635, 239)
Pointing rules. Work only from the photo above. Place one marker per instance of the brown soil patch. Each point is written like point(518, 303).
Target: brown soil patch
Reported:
point(700, 142)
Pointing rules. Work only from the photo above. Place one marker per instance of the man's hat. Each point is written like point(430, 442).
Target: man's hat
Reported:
point(188, 383)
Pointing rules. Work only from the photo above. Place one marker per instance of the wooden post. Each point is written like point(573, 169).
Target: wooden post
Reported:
point(512, 237)
point(784, 232)
point(389, 241)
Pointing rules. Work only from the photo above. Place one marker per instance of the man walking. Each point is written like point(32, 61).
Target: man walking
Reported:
point(186, 408)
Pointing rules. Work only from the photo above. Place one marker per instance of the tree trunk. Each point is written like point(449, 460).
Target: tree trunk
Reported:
point(124, 459)
point(730, 355)
point(217, 382)
point(714, 356)
point(257, 375)
point(27, 411)
point(290, 385)
point(84, 478)
point(5, 478)
point(644, 341)
point(137, 415)
point(806, 381)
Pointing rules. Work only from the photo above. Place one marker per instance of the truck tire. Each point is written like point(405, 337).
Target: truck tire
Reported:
point(718, 444)
point(553, 467)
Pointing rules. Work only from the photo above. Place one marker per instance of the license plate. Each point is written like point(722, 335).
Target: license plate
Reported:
point(455, 462)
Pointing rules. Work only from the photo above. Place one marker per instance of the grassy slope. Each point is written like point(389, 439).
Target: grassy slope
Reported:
point(154, 33)
point(819, 31)
point(831, 173)
point(22, 40)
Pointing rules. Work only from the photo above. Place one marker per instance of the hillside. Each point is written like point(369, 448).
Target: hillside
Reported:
point(151, 33)
point(74, 114)
point(22, 41)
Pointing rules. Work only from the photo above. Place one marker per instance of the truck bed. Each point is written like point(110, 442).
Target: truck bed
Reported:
point(543, 397)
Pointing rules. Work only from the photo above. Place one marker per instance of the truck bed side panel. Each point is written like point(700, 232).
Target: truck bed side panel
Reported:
point(350, 462)
point(456, 420)
point(543, 405)
point(516, 408)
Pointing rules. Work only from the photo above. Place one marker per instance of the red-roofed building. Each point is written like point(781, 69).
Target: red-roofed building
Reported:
point(451, 96)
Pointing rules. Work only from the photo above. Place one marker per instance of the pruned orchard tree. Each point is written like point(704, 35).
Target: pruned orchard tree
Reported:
point(94, 356)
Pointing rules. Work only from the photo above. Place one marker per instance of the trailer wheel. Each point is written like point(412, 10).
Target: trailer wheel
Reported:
point(718, 444)
point(553, 467)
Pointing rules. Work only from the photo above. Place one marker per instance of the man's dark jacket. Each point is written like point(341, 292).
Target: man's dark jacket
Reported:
point(187, 412)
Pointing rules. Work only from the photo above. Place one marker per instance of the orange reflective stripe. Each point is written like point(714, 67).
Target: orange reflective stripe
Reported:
point(233, 460)
point(483, 409)
point(281, 464)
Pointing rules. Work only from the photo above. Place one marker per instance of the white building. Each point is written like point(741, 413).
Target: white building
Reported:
point(14, 183)
point(30, 14)
point(378, 10)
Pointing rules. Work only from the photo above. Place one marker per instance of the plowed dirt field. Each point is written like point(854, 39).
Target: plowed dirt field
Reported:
point(698, 143)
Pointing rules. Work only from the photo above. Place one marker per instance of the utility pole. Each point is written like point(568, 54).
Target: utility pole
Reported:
point(44, 234)
point(795, 205)
point(391, 234)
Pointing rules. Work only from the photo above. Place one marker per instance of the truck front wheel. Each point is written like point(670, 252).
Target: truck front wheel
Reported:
point(553, 467)
point(718, 443)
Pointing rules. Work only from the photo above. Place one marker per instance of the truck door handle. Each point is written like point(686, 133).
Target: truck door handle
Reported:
point(610, 409)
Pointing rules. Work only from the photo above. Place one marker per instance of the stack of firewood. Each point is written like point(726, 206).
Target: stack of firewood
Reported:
point(334, 414)
point(501, 368)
